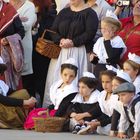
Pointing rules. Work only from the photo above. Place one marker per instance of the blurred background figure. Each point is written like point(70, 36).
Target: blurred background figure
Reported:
point(11, 27)
point(26, 11)
point(46, 12)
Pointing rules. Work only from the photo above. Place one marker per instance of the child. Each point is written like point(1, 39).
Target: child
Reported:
point(104, 48)
point(61, 94)
point(132, 67)
point(103, 111)
point(131, 102)
point(84, 102)
point(120, 78)
point(106, 101)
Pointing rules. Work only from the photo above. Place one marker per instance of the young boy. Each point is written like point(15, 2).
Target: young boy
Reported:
point(131, 102)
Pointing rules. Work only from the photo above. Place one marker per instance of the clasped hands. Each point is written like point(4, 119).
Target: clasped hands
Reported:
point(66, 43)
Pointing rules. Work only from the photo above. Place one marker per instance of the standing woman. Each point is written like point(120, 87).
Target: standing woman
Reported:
point(26, 11)
point(75, 28)
point(10, 24)
point(46, 13)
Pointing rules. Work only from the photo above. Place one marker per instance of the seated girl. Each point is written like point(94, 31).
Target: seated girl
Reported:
point(132, 67)
point(102, 114)
point(61, 94)
point(84, 102)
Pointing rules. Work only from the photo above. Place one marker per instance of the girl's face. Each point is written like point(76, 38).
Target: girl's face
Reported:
point(107, 30)
point(84, 90)
point(115, 84)
point(68, 75)
point(125, 97)
point(129, 69)
point(106, 83)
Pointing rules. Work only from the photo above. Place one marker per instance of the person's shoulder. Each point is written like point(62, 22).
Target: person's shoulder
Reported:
point(90, 11)
point(125, 21)
point(64, 10)
point(29, 4)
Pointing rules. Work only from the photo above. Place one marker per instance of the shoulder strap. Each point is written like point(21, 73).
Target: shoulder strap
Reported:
point(133, 105)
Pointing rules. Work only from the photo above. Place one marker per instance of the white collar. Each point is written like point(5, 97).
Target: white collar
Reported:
point(92, 99)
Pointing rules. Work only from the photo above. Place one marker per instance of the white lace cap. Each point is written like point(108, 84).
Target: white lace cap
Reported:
point(134, 57)
point(88, 74)
point(109, 13)
point(110, 67)
point(71, 61)
point(124, 75)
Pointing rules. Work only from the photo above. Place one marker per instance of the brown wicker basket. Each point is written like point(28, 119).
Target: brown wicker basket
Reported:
point(46, 47)
point(49, 124)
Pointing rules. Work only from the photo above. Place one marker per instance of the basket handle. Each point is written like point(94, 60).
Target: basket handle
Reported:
point(47, 30)
point(47, 113)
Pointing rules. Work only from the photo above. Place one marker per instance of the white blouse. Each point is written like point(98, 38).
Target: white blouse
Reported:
point(57, 94)
point(107, 106)
point(100, 51)
point(137, 84)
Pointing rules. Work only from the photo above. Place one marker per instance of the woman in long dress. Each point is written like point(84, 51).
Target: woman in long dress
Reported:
point(75, 28)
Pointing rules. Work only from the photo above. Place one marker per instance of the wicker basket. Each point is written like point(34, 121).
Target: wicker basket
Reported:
point(46, 47)
point(49, 124)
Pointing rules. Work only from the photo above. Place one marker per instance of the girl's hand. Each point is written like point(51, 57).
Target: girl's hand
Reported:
point(92, 56)
point(79, 116)
point(66, 43)
point(24, 19)
point(4, 42)
point(30, 102)
point(107, 33)
point(93, 125)
point(42, 112)
point(72, 115)
point(81, 122)
point(121, 135)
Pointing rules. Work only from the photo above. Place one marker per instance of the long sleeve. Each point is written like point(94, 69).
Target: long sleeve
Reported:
point(19, 27)
point(115, 119)
point(91, 27)
point(113, 58)
point(123, 122)
point(104, 120)
point(10, 101)
point(137, 118)
point(64, 105)
point(57, 36)
point(30, 14)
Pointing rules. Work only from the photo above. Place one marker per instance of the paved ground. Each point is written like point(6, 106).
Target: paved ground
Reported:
point(31, 135)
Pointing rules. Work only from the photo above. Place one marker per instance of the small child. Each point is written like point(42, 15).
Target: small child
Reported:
point(83, 103)
point(105, 108)
point(61, 94)
point(131, 103)
point(120, 78)
point(132, 67)
point(109, 48)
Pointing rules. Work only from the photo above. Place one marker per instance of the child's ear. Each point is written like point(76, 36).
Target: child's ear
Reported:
point(3, 67)
point(136, 71)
